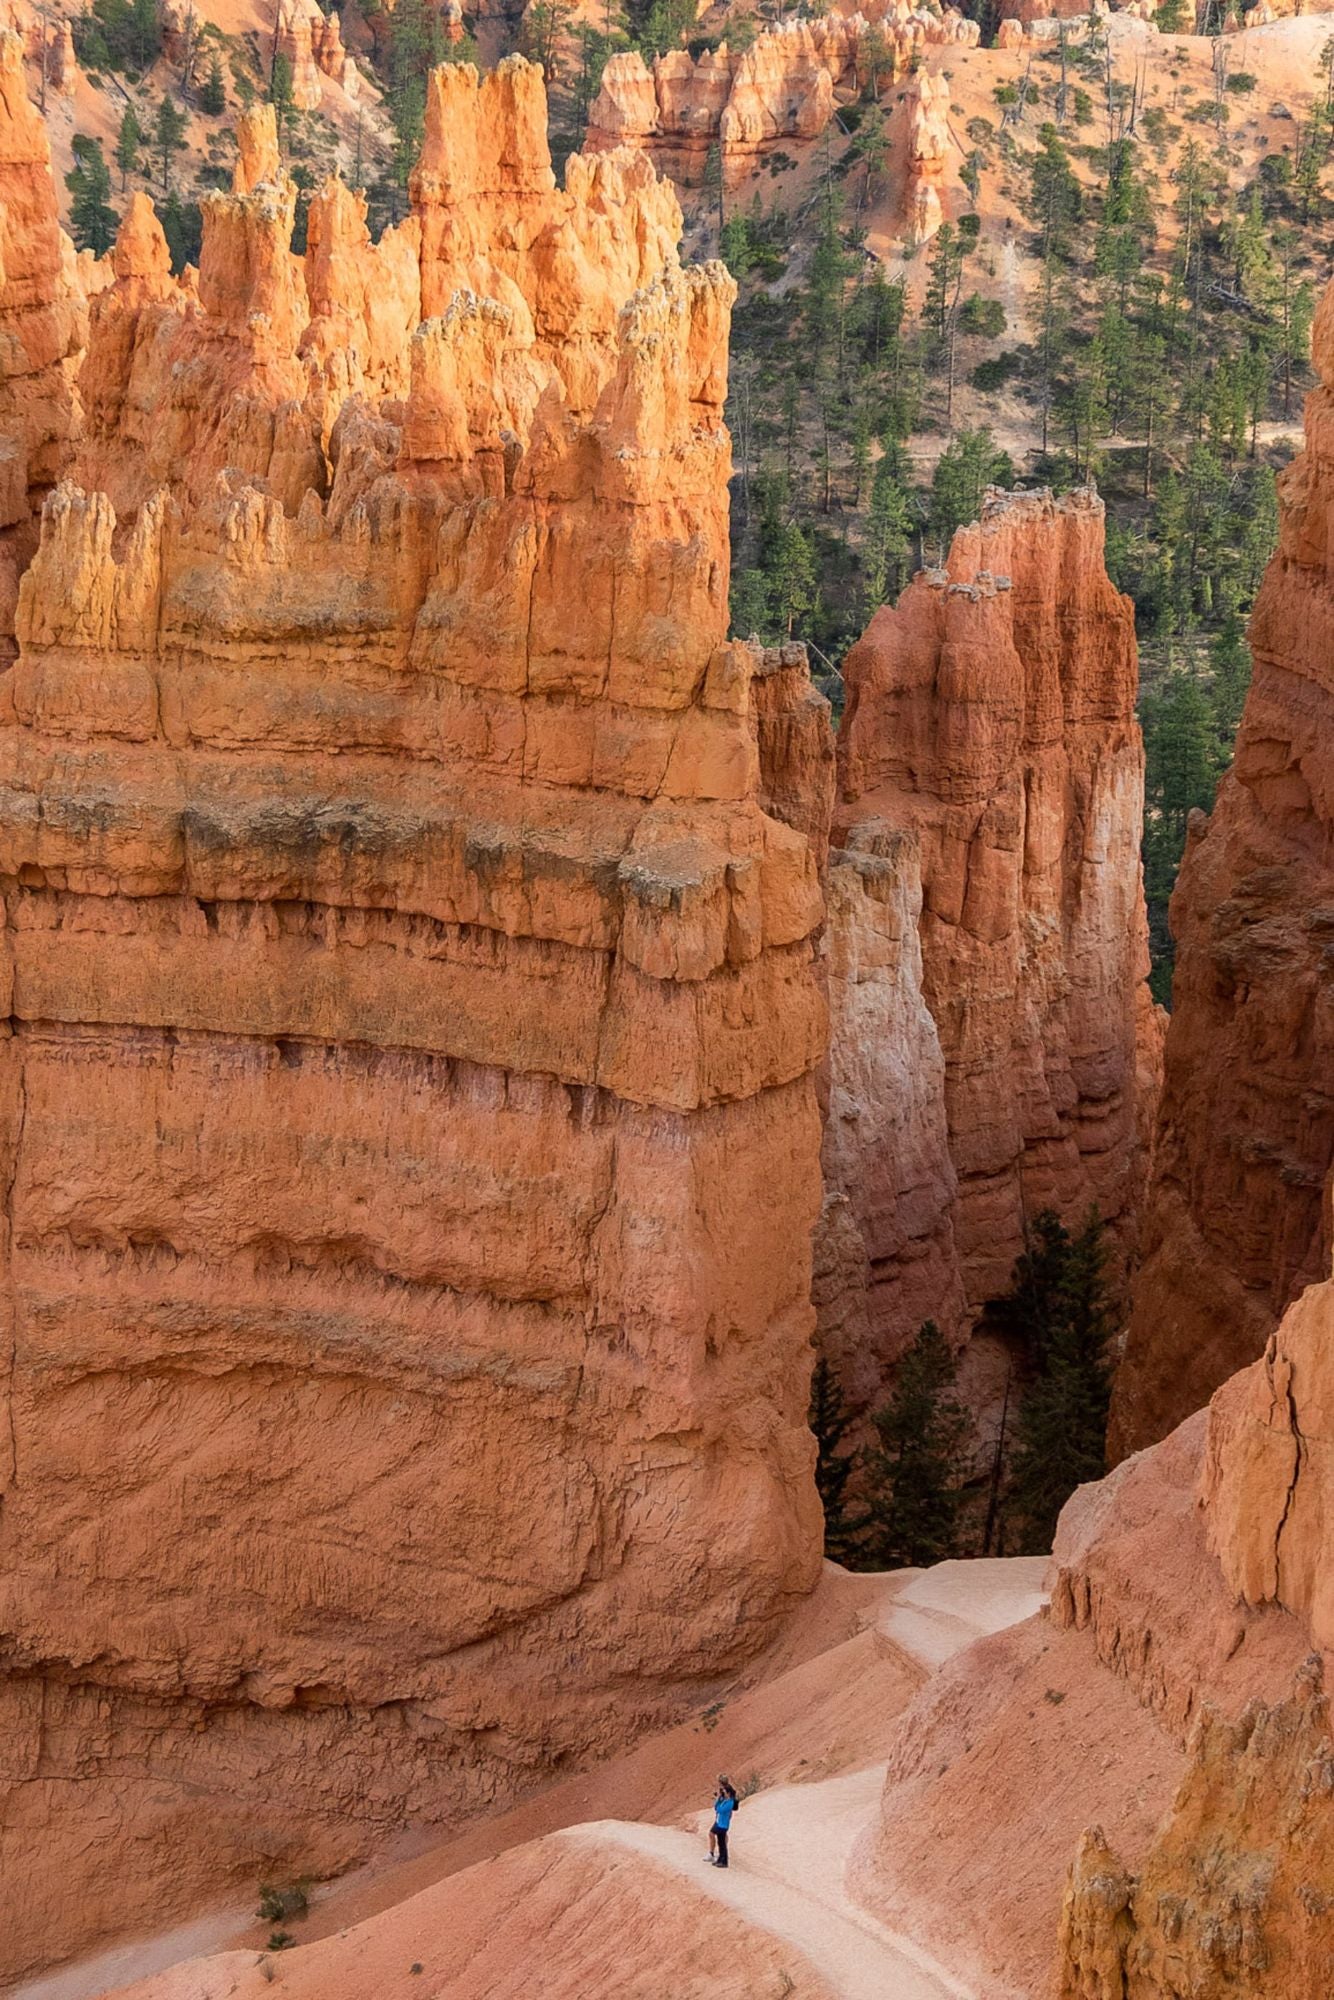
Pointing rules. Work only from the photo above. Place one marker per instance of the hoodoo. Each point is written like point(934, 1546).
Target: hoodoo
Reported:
point(1237, 1222)
point(782, 86)
point(991, 1030)
point(42, 320)
point(410, 1137)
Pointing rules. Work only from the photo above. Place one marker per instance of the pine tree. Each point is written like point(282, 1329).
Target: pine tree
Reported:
point(182, 226)
point(280, 93)
point(1180, 757)
point(1056, 197)
point(1062, 1424)
point(793, 578)
point(213, 92)
point(870, 146)
point(416, 44)
point(168, 140)
point(751, 603)
point(92, 220)
point(734, 245)
point(944, 266)
point(830, 1422)
point(1032, 1306)
point(913, 1472)
point(129, 139)
point(714, 185)
point(970, 463)
point(1230, 657)
point(889, 536)
point(145, 33)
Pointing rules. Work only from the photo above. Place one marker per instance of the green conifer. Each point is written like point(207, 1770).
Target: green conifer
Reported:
point(1062, 1425)
point(913, 1472)
point(830, 1422)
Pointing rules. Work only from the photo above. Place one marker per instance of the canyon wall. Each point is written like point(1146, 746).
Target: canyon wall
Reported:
point(782, 87)
point(1237, 1224)
point(992, 1037)
point(410, 1141)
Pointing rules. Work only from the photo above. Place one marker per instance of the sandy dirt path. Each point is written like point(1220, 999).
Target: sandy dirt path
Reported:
point(789, 1856)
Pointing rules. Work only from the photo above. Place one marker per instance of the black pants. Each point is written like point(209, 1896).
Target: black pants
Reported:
point(720, 1835)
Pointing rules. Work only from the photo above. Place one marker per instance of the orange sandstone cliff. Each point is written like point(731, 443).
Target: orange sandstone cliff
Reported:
point(409, 1130)
point(986, 940)
point(1237, 1225)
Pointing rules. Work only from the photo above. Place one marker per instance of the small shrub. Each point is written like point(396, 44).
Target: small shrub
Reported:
point(278, 1902)
point(994, 374)
point(1241, 83)
point(280, 1941)
point(983, 316)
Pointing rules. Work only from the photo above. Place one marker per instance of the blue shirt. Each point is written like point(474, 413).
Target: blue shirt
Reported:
point(723, 1808)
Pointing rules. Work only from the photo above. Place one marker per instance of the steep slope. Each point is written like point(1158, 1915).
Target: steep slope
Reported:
point(1236, 1224)
point(986, 933)
point(410, 1136)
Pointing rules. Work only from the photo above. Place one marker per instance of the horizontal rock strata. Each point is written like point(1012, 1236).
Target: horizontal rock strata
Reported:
point(409, 1132)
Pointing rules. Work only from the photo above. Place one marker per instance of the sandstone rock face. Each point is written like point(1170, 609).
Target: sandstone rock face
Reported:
point(986, 939)
point(782, 87)
point(312, 43)
point(1268, 1485)
point(1236, 1891)
point(42, 320)
point(1236, 1223)
point(409, 1124)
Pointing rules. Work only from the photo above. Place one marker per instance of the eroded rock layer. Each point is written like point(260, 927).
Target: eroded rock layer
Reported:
point(1235, 1892)
point(409, 1137)
point(986, 938)
point(1236, 1223)
point(781, 87)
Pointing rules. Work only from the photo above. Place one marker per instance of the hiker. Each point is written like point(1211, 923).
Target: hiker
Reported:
point(724, 1806)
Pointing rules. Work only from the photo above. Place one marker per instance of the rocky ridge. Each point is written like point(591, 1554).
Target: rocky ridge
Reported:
point(782, 87)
